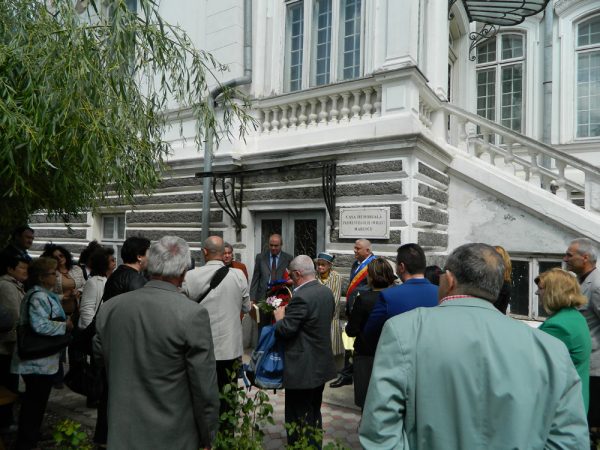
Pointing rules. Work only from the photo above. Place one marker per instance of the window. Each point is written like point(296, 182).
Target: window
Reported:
point(524, 303)
point(500, 62)
point(588, 78)
point(113, 233)
point(331, 28)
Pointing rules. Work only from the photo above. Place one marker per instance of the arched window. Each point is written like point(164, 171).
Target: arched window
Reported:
point(587, 48)
point(500, 67)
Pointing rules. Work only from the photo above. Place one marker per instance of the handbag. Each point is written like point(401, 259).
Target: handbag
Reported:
point(84, 378)
point(83, 339)
point(32, 345)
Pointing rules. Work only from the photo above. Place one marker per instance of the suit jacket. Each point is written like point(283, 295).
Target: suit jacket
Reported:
point(569, 326)
point(224, 304)
point(158, 351)
point(262, 273)
point(464, 376)
point(306, 333)
point(591, 289)
point(413, 293)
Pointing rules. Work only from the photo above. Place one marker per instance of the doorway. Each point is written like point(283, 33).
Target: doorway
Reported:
point(302, 232)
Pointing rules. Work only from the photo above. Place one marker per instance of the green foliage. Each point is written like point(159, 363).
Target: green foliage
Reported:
point(68, 435)
point(85, 100)
point(309, 438)
point(241, 427)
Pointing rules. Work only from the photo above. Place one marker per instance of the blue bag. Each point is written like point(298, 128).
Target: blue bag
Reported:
point(265, 369)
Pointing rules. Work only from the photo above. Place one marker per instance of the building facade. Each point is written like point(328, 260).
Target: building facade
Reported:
point(457, 131)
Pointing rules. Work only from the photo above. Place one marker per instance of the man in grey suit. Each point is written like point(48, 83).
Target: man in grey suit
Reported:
point(304, 325)
point(224, 304)
point(581, 256)
point(158, 351)
point(269, 265)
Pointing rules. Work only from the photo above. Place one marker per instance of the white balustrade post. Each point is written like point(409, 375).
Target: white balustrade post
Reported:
point(377, 103)
point(367, 105)
point(284, 119)
point(302, 117)
point(323, 114)
point(592, 192)
point(266, 125)
point(534, 170)
point(561, 181)
point(275, 120)
point(345, 110)
point(293, 118)
point(334, 111)
point(356, 104)
point(312, 116)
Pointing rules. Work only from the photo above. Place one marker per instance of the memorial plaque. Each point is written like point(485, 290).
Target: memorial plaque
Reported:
point(368, 223)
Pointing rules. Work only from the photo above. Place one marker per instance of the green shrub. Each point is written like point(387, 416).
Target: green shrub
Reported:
point(68, 435)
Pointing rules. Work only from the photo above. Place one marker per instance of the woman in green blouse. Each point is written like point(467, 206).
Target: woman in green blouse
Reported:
point(561, 296)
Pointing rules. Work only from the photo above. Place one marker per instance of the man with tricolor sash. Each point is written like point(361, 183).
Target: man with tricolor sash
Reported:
point(358, 282)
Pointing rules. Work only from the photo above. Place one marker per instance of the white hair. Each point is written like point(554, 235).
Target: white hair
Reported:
point(303, 264)
point(169, 257)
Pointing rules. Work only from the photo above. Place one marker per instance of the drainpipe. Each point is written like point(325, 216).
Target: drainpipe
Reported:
point(547, 74)
point(212, 100)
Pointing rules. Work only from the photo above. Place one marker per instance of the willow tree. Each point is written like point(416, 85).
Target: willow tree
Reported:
point(85, 93)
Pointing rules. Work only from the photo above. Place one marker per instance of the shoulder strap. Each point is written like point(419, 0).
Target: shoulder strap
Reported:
point(215, 281)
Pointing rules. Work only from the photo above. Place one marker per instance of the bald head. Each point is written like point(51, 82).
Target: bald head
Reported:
point(362, 249)
point(213, 248)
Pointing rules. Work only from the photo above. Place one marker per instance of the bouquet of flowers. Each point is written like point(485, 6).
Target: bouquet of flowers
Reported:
point(278, 295)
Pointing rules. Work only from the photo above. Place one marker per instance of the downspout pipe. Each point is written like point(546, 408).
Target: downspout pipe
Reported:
point(547, 74)
point(212, 101)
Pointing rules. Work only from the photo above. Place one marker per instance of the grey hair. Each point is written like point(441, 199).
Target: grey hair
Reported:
point(303, 264)
point(588, 247)
point(169, 257)
point(479, 270)
point(227, 245)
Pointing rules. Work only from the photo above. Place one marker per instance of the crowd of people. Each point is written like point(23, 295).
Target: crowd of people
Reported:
point(435, 361)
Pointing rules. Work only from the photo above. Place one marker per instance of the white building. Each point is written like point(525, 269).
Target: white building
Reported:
point(383, 104)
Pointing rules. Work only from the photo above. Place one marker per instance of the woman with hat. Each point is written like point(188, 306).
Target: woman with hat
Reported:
point(331, 279)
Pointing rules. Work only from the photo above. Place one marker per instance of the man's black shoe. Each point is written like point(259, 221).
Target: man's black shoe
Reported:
point(341, 381)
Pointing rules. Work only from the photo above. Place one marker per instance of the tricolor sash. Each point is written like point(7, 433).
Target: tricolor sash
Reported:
point(359, 275)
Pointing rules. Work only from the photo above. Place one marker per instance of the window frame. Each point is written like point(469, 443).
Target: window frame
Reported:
point(308, 68)
point(498, 64)
point(115, 241)
point(535, 310)
point(577, 51)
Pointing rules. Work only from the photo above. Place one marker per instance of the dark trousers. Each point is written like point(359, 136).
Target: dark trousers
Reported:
point(303, 407)
point(101, 432)
point(10, 381)
point(33, 406)
point(348, 368)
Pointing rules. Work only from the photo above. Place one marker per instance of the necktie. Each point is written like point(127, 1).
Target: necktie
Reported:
point(273, 266)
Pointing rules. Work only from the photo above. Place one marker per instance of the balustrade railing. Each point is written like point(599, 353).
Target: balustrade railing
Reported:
point(327, 105)
point(541, 165)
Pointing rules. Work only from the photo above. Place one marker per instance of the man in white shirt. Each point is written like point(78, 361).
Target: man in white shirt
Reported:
point(224, 304)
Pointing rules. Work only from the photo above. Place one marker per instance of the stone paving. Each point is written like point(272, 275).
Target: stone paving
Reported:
point(340, 416)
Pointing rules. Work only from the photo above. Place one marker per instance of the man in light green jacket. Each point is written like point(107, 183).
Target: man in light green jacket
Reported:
point(464, 376)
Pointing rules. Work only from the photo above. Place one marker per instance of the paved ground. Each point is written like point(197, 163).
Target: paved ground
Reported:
point(340, 416)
